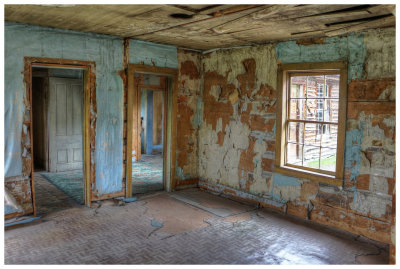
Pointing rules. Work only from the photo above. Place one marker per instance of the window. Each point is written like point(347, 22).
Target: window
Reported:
point(311, 120)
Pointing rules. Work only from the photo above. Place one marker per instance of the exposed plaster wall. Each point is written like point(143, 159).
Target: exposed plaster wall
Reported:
point(189, 114)
point(237, 134)
point(23, 40)
point(238, 126)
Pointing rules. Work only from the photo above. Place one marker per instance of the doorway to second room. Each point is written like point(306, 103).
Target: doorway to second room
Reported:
point(57, 111)
point(147, 167)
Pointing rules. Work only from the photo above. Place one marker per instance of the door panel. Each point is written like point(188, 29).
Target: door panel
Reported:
point(65, 124)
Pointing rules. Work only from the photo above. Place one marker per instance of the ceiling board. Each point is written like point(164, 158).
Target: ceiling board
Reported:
point(207, 26)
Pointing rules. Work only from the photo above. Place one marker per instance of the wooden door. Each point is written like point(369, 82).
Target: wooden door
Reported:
point(65, 124)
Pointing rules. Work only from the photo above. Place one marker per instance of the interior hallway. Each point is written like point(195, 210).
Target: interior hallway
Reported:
point(184, 227)
point(147, 173)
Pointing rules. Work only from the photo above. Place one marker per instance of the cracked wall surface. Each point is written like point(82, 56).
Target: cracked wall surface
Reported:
point(237, 135)
point(189, 113)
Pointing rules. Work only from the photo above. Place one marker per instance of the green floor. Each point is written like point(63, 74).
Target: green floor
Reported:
point(147, 174)
point(70, 182)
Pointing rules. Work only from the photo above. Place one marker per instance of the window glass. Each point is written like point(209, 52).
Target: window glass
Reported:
point(312, 128)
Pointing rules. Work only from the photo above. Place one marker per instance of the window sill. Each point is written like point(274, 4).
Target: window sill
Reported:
point(294, 172)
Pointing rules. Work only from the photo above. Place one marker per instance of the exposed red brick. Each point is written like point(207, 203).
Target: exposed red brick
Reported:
point(391, 185)
point(245, 115)
point(189, 69)
point(213, 109)
point(270, 145)
point(258, 123)
point(267, 164)
point(248, 79)
point(265, 91)
point(246, 158)
point(362, 182)
point(374, 108)
point(369, 89)
point(221, 137)
point(296, 210)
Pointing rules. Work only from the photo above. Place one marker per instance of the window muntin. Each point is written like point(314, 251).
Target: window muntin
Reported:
point(312, 121)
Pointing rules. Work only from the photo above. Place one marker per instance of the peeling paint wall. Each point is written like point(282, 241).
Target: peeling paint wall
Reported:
point(237, 134)
point(148, 53)
point(23, 40)
point(189, 114)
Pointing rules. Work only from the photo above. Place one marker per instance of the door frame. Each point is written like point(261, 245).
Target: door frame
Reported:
point(89, 107)
point(133, 122)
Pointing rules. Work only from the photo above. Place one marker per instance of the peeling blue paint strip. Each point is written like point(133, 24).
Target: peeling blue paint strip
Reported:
point(21, 221)
point(153, 54)
point(127, 200)
point(351, 48)
point(282, 180)
point(198, 116)
point(156, 223)
point(353, 150)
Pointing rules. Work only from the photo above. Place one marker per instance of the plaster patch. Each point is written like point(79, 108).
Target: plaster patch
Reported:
point(381, 53)
point(371, 204)
point(378, 184)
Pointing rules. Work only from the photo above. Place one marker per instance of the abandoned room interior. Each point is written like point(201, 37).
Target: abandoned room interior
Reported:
point(199, 134)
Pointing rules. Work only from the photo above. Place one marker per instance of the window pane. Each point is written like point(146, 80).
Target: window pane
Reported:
point(332, 86)
point(294, 153)
point(311, 109)
point(331, 110)
point(329, 135)
point(297, 109)
point(296, 130)
point(312, 134)
point(298, 85)
point(315, 86)
point(311, 156)
point(328, 159)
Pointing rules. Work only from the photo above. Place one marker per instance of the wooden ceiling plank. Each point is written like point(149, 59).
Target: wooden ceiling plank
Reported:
point(192, 22)
point(381, 22)
point(238, 24)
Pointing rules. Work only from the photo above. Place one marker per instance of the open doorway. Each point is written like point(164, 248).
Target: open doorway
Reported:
point(147, 163)
point(154, 79)
point(58, 116)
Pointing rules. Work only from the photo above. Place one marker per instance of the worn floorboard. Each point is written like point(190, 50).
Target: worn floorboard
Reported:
point(184, 227)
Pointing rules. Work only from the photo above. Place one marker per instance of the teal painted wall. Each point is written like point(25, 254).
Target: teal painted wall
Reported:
point(23, 40)
point(147, 53)
point(350, 48)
